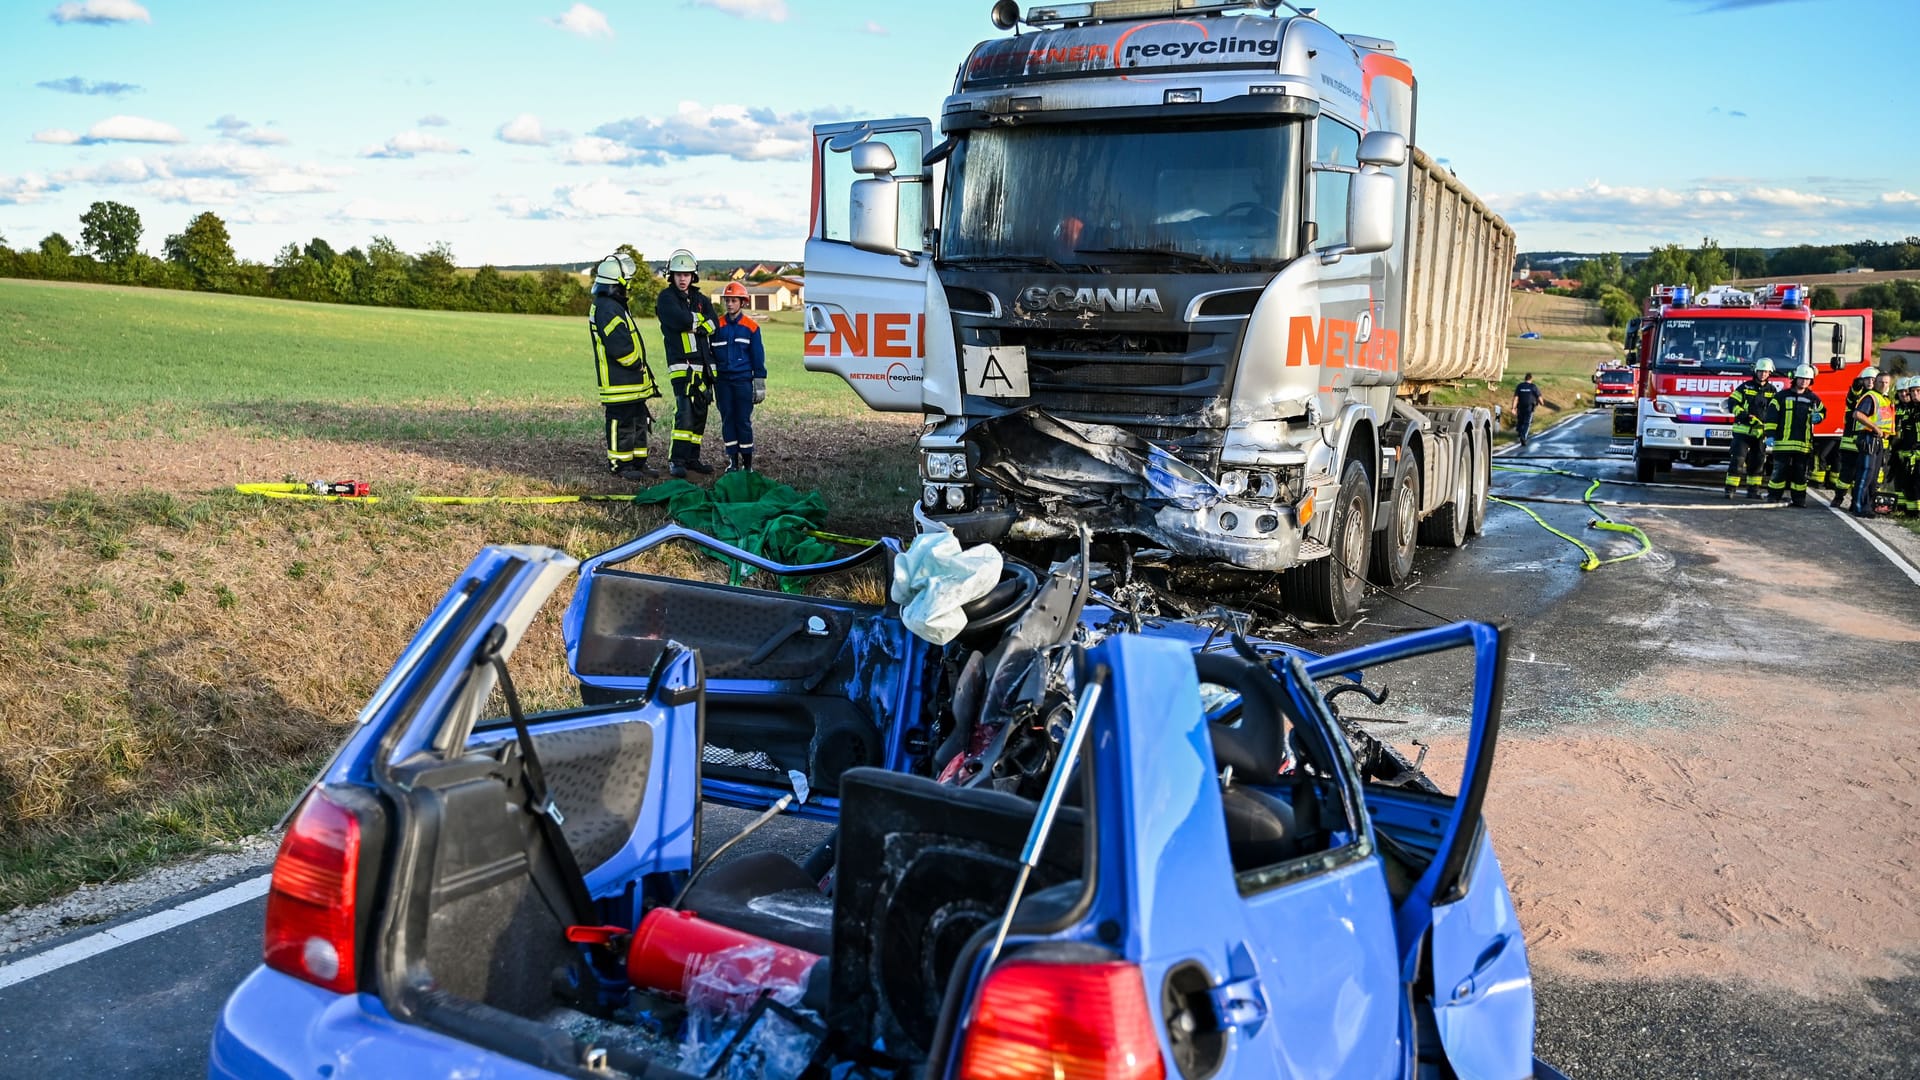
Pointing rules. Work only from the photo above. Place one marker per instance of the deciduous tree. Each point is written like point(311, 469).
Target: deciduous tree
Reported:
point(111, 231)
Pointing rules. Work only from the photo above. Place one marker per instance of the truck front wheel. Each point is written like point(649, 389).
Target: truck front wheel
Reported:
point(1329, 588)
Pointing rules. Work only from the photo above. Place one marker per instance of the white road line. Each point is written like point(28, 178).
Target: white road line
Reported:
point(127, 933)
point(1893, 556)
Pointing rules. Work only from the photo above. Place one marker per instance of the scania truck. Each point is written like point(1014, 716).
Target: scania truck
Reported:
point(1173, 270)
point(1692, 348)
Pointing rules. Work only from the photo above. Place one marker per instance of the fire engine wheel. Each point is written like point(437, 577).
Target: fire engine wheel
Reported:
point(1392, 558)
point(1329, 588)
point(1447, 526)
point(1482, 480)
point(1644, 467)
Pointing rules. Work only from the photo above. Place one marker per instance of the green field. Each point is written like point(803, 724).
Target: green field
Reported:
point(1573, 341)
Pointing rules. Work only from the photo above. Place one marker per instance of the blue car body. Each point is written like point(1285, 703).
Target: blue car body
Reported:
point(1384, 944)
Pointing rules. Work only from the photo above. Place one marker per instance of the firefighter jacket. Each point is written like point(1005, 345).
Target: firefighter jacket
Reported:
point(1748, 405)
point(686, 320)
point(1907, 420)
point(1854, 393)
point(737, 351)
point(619, 356)
point(1790, 420)
point(1882, 423)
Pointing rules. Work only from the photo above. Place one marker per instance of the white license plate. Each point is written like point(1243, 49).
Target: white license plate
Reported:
point(1719, 433)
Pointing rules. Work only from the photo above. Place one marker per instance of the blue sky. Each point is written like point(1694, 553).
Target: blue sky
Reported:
point(531, 130)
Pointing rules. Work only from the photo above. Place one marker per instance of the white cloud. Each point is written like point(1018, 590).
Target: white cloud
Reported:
point(57, 136)
point(1899, 197)
point(194, 190)
point(255, 215)
point(233, 127)
point(408, 143)
point(526, 130)
point(594, 150)
point(74, 84)
point(874, 28)
point(432, 120)
point(20, 190)
point(131, 129)
point(1633, 216)
point(380, 212)
point(709, 219)
point(735, 131)
point(124, 171)
point(770, 10)
point(583, 20)
point(100, 12)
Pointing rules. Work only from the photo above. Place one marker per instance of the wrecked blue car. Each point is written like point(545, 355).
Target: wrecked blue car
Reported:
point(1077, 840)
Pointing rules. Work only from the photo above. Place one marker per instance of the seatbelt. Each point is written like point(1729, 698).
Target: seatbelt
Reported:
point(539, 800)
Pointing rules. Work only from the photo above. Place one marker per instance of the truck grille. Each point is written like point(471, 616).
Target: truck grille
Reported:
point(1121, 343)
point(1104, 373)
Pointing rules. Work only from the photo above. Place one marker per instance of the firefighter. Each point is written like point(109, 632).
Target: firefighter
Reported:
point(620, 364)
point(740, 367)
point(1746, 461)
point(1906, 446)
point(1791, 416)
point(1873, 428)
point(687, 323)
point(1849, 445)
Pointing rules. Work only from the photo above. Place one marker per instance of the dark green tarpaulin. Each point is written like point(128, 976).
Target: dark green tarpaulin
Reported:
point(751, 512)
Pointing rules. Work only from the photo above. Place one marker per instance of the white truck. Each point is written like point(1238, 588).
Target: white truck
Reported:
point(1173, 270)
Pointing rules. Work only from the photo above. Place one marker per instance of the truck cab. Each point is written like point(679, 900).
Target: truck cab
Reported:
point(1150, 276)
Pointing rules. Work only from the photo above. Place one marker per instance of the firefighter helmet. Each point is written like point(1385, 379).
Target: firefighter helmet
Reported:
point(1804, 371)
point(734, 288)
point(682, 262)
point(615, 270)
point(1763, 366)
point(1870, 373)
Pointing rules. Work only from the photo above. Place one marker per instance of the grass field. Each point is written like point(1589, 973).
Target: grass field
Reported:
point(1573, 341)
point(175, 658)
point(1842, 284)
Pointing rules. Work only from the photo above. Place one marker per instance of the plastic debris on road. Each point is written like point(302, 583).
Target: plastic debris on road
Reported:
point(722, 995)
point(934, 578)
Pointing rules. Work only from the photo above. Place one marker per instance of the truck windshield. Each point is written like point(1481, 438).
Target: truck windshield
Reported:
point(1729, 345)
point(1187, 198)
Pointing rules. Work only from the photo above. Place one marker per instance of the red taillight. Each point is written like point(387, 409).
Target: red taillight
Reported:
point(1062, 1022)
point(310, 907)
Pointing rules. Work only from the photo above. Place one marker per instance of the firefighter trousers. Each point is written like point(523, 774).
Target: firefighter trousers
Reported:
point(628, 423)
point(1747, 461)
point(689, 425)
point(1790, 469)
point(735, 398)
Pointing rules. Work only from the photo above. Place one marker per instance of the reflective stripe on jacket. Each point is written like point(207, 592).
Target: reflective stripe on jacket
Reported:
point(1791, 418)
point(1854, 393)
point(1748, 405)
point(737, 351)
point(619, 356)
point(685, 319)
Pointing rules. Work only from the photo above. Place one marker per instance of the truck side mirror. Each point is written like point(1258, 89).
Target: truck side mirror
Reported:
point(1370, 211)
point(1837, 362)
point(1384, 148)
point(1839, 339)
point(873, 219)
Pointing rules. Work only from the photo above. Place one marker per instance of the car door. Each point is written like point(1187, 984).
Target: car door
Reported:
point(871, 316)
point(1454, 919)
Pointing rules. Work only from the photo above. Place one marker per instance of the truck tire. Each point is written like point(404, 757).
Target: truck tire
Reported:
point(1447, 525)
point(1329, 588)
point(1392, 558)
point(1482, 480)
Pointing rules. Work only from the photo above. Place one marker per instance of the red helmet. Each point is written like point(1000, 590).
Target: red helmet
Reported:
point(734, 288)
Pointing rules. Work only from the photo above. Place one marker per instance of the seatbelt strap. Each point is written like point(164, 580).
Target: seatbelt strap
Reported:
point(539, 800)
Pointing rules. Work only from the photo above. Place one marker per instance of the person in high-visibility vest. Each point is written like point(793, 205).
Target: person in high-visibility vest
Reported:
point(1746, 459)
point(686, 321)
point(620, 365)
point(1849, 445)
point(1873, 429)
point(1791, 415)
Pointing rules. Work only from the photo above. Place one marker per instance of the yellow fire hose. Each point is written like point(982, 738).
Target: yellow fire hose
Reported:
point(1592, 560)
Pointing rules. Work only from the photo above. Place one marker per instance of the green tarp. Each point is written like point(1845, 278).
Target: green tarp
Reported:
point(753, 513)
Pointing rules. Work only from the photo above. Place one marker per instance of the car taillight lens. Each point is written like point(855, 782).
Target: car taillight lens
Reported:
point(1062, 1022)
point(310, 906)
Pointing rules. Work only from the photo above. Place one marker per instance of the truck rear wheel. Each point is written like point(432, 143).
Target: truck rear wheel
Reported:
point(1482, 480)
point(1329, 588)
point(1447, 526)
point(1392, 558)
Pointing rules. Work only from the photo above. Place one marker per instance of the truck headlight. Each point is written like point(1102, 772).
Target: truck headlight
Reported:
point(956, 498)
point(939, 466)
point(1665, 408)
point(930, 496)
point(1232, 482)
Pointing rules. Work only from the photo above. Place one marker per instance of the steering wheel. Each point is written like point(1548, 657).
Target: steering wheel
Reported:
point(1003, 603)
point(1257, 748)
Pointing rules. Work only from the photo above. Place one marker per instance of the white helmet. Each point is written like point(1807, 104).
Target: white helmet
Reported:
point(682, 262)
point(1763, 366)
point(1870, 373)
point(615, 270)
point(1804, 371)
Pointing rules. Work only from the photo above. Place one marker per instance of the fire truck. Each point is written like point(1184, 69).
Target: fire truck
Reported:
point(1692, 348)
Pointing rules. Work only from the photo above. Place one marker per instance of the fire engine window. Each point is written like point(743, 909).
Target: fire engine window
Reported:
point(1336, 157)
point(836, 186)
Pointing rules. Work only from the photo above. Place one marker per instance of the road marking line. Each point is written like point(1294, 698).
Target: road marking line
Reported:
point(1880, 546)
point(127, 933)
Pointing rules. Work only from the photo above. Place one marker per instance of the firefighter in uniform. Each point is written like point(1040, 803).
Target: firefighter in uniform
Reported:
point(1746, 461)
point(1849, 445)
point(740, 367)
point(620, 364)
point(686, 323)
point(1873, 428)
point(1906, 446)
point(1791, 416)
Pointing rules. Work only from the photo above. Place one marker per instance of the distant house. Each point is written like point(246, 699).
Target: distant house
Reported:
point(776, 294)
point(1903, 353)
point(1569, 284)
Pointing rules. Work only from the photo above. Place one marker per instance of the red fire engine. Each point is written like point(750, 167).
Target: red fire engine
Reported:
point(1690, 350)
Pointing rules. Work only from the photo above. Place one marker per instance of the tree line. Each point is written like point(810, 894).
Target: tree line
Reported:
point(201, 258)
point(1620, 289)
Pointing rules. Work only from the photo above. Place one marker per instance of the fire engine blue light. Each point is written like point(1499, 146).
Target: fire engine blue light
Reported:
point(1791, 297)
point(1682, 294)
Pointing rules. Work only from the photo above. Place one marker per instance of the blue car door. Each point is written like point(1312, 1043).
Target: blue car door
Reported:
point(1456, 916)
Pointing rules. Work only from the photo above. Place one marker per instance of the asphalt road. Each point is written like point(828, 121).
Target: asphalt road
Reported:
point(146, 1009)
